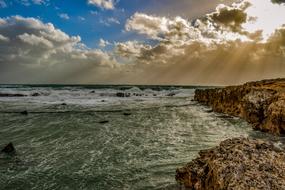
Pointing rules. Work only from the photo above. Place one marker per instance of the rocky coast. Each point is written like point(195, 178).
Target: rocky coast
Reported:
point(236, 164)
point(242, 163)
point(260, 103)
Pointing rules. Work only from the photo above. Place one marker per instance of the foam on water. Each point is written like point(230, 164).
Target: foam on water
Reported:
point(66, 146)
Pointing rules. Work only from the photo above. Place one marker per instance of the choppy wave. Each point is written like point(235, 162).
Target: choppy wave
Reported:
point(89, 138)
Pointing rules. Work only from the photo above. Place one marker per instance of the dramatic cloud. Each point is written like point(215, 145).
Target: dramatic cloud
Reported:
point(104, 4)
point(219, 47)
point(29, 44)
point(131, 49)
point(230, 17)
point(161, 28)
point(233, 44)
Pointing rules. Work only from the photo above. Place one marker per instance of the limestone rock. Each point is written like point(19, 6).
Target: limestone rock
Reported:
point(236, 164)
point(260, 103)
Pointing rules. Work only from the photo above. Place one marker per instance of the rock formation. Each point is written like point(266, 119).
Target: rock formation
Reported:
point(9, 149)
point(236, 164)
point(260, 103)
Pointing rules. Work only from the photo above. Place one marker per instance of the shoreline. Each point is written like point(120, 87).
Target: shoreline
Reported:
point(242, 163)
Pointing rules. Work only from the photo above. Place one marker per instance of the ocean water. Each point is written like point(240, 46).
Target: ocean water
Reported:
point(85, 137)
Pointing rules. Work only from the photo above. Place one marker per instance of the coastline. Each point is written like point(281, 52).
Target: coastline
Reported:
point(261, 103)
point(242, 163)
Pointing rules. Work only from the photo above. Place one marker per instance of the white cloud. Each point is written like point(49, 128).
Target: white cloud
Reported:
point(30, 41)
point(4, 39)
point(104, 4)
point(109, 21)
point(103, 43)
point(64, 16)
point(37, 2)
point(113, 20)
point(131, 49)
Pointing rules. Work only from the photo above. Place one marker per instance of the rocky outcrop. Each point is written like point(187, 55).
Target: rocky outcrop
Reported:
point(236, 164)
point(260, 103)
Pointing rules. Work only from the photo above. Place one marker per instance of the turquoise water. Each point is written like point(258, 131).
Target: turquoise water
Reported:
point(63, 144)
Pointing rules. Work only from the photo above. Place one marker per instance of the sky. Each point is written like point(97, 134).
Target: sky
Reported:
point(185, 42)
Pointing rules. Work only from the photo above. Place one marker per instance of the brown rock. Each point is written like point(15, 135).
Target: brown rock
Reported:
point(236, 164)
point(260, 103)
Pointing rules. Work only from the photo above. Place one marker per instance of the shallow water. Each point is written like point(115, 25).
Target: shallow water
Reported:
point(65, 146)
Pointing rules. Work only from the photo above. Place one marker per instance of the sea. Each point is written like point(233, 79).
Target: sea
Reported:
point(105, 137)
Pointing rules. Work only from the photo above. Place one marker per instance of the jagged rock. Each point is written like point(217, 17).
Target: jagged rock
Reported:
point(9, 149)
point(236, 164)
point(260, 103)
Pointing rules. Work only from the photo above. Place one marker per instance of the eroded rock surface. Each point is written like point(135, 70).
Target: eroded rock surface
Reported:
point(236, 164)
point(260, 103)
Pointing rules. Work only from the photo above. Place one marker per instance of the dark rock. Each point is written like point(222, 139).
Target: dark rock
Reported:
point(64, 104)
point(171, 94)
point(104, 122)
point(93, 92)
point(12, 95)
point(237, 163)
point(127, 114)
point(9, 149)
point(123, 95)
point(36, 94)
point(25, 112)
